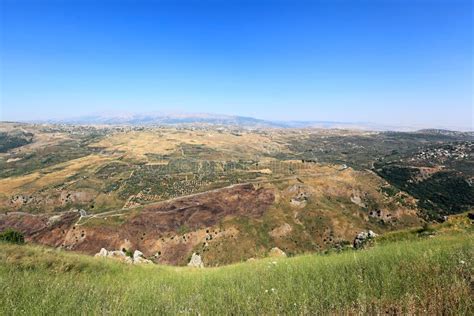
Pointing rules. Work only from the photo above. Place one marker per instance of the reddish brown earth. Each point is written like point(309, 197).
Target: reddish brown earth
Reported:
point(205, 210)
point(158, 228)
point(42, 229)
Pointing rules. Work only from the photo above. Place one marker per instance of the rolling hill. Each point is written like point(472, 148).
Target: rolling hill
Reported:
point(227, 193)
point(407, 272)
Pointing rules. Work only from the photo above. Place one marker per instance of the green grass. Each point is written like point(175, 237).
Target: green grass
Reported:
point(423, 275)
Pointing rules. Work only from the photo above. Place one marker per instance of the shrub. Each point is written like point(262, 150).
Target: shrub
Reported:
point(128, 252)
point(426, 230)
point(12, 236)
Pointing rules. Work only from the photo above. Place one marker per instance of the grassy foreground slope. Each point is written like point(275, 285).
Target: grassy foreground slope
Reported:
point(412, 275)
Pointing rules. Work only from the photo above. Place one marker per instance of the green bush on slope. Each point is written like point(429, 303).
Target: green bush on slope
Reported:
point(12, 236)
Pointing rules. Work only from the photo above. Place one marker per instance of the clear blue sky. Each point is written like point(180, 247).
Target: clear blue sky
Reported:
point(395, 62)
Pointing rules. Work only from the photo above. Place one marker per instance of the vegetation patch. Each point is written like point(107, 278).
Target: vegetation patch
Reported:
point(415, 276)
point(13, 140)
point(12, 236)
point(443, 193)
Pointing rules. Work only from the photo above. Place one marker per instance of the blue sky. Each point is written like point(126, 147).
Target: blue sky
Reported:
point(395, 62)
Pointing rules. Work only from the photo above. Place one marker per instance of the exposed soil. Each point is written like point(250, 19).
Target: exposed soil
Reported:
point(151, 229)
point(43, 229)
point(206, 209)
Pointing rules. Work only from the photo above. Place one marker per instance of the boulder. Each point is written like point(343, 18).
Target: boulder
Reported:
point(53, 220)
point(102, 253)
point(115, 254)
point(362, 238)
point(281, 231)
point(138, 257)
point(119, 254)
point(140, 260)
point(122, 256)
point(196, 261)
point(277, 252)
point(137, 254)
point(356, 199)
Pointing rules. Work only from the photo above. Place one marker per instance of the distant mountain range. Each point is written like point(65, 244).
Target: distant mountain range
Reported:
point(162, 118)
point(167, 119)
point(148, 119)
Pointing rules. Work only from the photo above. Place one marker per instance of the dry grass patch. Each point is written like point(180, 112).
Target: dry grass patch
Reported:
point(49, 176)
point(138, 143)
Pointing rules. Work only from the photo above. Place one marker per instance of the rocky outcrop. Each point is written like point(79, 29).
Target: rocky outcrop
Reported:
point(138, 257)
point(110, 253)
point(363, 238)
point(357, 200)
point(102, 253)
point(300, 195)
point(382, 215)
point(299, 200)
point(276, 252)
point(196, 261)
point(122, 256)
point(137, 254)
point(281, 231)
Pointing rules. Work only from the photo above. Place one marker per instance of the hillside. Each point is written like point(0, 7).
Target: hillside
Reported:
point(404, 273)
point(226, 193)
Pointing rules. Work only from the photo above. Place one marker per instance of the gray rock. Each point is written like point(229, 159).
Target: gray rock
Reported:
point(102, 253)
point(277, 252)
point(137, 254)
point(140, 260)
point(110, 254)
point(116, 254)
point(361, 239)
point(122, 256)
point(53, 220)
point(196, 261)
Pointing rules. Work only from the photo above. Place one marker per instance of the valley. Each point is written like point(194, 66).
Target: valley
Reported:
point(228, 193)
point(236, 158)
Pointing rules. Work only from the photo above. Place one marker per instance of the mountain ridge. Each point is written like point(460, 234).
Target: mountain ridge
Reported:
point(169, 118)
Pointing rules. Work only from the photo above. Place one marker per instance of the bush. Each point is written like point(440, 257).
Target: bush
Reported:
point(128, 252)
point(12, 236)
point(426, 230)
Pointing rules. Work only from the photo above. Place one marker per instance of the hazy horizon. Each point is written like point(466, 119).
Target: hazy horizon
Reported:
point(395, 63)
point(134, 118)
